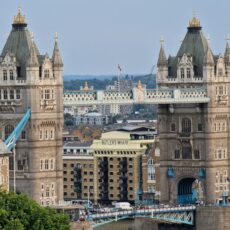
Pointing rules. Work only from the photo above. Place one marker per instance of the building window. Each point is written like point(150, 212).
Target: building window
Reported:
point(5, 94)
point(41, 165)
point(40, 135)
point(182, 72)
point(173, 127)
point(47, 191)
point(151, 169)
point(177, 154)
point(200, 128)
point(186, 125)
point(188, 72)
point(11, 75)
point(196, 154)
point(51, 164)
point(47, 94)
point(23, 135)
point(18, 94)
point(8, 130)
point(4, 75)
point(46, 73)
point(46, 164)
point(11, 94)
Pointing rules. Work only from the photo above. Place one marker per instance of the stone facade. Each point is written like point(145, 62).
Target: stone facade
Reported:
point(31, 80)
point(194, 138)
point(4, 166)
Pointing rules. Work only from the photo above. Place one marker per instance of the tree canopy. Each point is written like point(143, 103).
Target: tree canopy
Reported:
point(18, 212)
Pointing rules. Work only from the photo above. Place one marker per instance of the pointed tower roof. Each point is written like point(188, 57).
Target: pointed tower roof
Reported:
point(19, 42)
point(227, 54)
point(32, 60)
point(208, 57)
point(194, 44)
point(57, 60)
point(162, 60)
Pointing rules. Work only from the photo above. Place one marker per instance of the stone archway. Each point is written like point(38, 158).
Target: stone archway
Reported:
point(187, 191)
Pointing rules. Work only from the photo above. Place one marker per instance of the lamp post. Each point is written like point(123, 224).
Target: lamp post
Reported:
point(14, 168)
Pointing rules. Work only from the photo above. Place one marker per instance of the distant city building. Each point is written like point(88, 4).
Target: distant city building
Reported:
point(4, 166)
point(92, 118)
point(118, 158)
point(78, 170)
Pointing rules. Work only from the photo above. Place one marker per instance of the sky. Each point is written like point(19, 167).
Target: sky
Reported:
point(97, 35)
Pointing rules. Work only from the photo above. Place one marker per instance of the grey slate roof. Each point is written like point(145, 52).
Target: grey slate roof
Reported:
point(194, 44)
point(162, 60)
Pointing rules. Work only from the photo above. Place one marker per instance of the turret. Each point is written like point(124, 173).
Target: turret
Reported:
point(57, 62)
point(227, 59)
point(162, 66)
point(208, 65)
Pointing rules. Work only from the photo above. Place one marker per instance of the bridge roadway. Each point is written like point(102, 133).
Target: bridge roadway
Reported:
point(173, 215)
point(138, 95)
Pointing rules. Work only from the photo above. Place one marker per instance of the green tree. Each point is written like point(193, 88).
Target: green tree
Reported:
point(18, 212)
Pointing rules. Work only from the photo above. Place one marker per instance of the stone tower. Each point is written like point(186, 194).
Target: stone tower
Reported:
point(31, 80)
point(194, 138)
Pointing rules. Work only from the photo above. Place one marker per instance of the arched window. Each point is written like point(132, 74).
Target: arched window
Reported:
point(186, 125)
point(8, 130)
point(151, 169)
point(47, 191)
point(11, 75)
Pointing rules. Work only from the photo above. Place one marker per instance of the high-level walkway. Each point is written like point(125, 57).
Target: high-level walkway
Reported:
point(138, 95)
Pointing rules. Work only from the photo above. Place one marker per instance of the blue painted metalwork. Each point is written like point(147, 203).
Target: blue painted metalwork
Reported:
point(201, 173)
point(170, 172)
point(176, 215)
point(11, 140)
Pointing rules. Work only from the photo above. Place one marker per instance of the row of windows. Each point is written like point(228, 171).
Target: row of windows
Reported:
point(47, 164)
point(5, 74)
point(47, 134)
point(182, 73)
point(220, 154)
point(47, 94)
point(186, 126)
point(221, 90)
point(10, 94)
point(220, 126)
point(118, 152)
point(186, 153)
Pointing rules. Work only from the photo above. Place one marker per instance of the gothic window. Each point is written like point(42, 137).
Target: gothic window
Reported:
point(46, 73)
point(8, 130)
point(18, 94)
point(173, 127)
point(182, 72)
point(4, 75)
point(186, 125)
point(177, 154)
point(11, 75)
point(51, 164)
point(5, 94)
point(46, 164)
point(188, 72)
point(186, 150)
point(46, 134)
point(40, 135)
point(41, 165)
point(52, 93)
point(47, 94)
point(196, 154)
point(23, 135)
point(221, 90)
point(200, 128)
point(47, 191)
point(11, 94)
point(51, 134)
point(151, 169)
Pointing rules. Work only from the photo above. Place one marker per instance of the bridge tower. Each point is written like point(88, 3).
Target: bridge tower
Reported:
point(194, 138)
point(31, 80)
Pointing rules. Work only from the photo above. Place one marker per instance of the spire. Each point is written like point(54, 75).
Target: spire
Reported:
point(162, 60)
point(208, 57)
point(19, 19)
point(227, 52)
point(57, 60)
point(32, 60)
